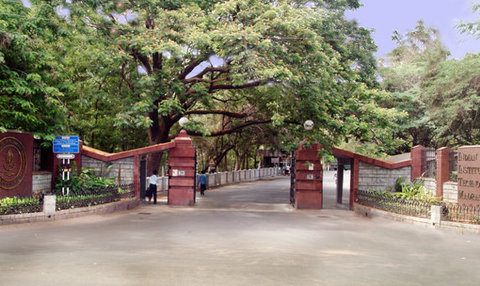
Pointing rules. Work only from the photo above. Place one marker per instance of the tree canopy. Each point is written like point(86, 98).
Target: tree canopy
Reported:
point(29, 100)
point(125, 72)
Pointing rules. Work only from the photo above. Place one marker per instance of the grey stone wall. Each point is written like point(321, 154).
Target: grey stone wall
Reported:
point(450, 192)
point(430, 184)
point(372, 177)
point(126, 167)
point(41, 183)
point(450, 189)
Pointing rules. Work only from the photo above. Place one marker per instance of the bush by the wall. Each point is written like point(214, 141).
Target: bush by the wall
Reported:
point(86, 201)
point(19, 206)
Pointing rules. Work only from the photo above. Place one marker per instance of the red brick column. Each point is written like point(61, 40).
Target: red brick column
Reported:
point(182, 172)
point(416, 157)
point(354, 173)
point(443, 168)
point(136, 176)
point(309, 178)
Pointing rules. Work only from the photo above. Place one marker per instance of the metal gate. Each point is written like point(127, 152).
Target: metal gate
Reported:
point(143, 176)
point(292, 178)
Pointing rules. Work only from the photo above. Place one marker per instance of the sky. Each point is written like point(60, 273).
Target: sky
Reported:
point(386, 16)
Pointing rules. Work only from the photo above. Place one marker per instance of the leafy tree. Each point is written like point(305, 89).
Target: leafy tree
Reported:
point(416, 58)
point(29, 101)
point(123, 67)
point(453, 102)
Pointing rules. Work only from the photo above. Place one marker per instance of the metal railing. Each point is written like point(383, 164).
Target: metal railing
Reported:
point(453, 165)
point(461, 213)
point(394, 204)
point(127, 190)
point(429, 163)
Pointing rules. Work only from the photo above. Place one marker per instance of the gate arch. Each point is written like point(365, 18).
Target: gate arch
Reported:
point(181, 188)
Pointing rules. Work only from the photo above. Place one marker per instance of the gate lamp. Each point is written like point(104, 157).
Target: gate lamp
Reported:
point(183, 121)
point(308, 125)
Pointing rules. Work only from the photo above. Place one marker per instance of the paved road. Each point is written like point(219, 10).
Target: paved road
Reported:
point(252, 238)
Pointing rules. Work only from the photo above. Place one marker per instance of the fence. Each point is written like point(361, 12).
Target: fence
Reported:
point(453, 165)
point(393, 204)
point(429, 163)
point(226, 178)
point(461, 213)
point(126, 191)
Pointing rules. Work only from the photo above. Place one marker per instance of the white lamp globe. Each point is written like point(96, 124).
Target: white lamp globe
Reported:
point(308, 125)
point(183, 121)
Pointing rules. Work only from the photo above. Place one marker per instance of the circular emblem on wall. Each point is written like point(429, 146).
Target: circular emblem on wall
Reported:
point(13, 162)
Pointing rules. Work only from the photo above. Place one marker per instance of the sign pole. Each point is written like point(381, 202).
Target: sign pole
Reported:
point(63, 176)
point(68, 177)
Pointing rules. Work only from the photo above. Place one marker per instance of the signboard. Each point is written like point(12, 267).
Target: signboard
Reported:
point(66, 156)
point(66, 144)
point(212, 162)
point(469, 175)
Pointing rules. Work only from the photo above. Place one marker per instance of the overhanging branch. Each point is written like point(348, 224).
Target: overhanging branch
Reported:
point(223, 112)
point(234, 129)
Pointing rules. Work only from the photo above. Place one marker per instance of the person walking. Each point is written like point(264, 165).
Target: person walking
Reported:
point(152, 185)
point(202, 181)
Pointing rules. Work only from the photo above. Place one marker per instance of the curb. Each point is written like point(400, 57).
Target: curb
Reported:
point(462, 228)
point(71, 213)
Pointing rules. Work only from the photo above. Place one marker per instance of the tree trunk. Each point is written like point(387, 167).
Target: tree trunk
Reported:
point(157, 133)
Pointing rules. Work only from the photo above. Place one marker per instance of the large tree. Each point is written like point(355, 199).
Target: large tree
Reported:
point(404, 73)
point(29, 100)
point(287, 61)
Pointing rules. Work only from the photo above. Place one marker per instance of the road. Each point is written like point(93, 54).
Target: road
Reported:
point(244, 234)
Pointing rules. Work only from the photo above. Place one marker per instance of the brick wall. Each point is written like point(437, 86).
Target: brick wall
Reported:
point(125, 166)
point(372, 177)
point(41, 183)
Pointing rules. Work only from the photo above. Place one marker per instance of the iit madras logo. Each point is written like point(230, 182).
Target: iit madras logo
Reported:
point(13, 163)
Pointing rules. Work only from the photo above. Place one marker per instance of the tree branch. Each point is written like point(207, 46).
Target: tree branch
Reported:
point(143, 59)
point(231, 130)
point(241, 86)
point(157, 61)
point(199, 79)
point(124, 77)
point(223, 112)
point(189, 68)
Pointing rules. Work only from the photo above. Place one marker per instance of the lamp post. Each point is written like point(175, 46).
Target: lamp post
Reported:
point(183, 121)
point(308, 125)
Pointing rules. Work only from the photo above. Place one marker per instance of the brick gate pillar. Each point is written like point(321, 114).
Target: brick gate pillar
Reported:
point(308, 178)
point(416, 157)
point(443, 169)
point(182, 172)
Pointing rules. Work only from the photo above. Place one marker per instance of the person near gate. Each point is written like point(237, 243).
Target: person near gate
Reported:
point(202, 181)
point(152, 185)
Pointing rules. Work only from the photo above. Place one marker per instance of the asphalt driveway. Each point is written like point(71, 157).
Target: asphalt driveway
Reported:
point(244, 234)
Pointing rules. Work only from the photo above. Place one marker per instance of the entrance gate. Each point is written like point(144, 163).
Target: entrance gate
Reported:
point(181, 187)
point(308, 178)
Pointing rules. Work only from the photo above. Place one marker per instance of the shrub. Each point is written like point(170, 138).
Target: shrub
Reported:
point(71, 202)
point(19, 206)
point(84, 182)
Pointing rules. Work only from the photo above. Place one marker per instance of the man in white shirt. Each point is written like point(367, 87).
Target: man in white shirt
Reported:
point(152, 185)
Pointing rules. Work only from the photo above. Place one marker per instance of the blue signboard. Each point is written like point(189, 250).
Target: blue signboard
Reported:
point(66, 144)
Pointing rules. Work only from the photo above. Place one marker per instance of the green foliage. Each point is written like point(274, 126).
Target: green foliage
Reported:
point(271, 59)
point(71, 202)
point(418, 55)
point(84, 182)
point(29, 100)
point(19, 206)
point(475, 219)
point(413, 191)
point(399, 184)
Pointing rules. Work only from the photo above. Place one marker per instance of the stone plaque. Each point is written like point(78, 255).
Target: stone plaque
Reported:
point(469, 175)
point(16, 153)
